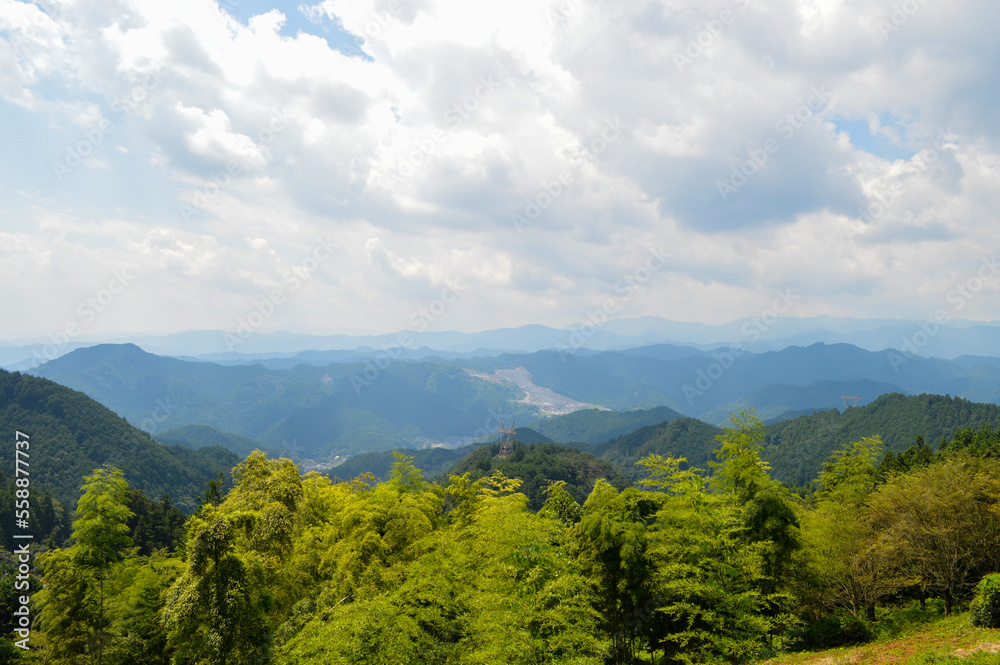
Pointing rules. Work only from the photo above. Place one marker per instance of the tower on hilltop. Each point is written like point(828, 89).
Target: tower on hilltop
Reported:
point(507, 435)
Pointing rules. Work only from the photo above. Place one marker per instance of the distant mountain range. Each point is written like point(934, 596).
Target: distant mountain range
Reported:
point(284, 350)
point(326, 413)
point(709, 385)
point(212, 415)
point(307, 412)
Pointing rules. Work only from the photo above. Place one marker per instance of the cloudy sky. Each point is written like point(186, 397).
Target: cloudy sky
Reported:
point(356, 166)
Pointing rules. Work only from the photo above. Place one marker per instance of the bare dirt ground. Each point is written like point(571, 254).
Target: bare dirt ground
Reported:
point(548, 401)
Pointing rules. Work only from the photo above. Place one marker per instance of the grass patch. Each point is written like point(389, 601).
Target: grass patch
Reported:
point(911, 637)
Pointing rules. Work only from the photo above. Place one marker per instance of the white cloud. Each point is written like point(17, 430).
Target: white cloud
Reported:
point(462, 115)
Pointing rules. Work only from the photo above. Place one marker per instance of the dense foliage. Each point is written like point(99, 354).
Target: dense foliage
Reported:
point(683, 437)
point(433, 461)
point(986, 604)
point(49, 524)
point(543, 556)
point(796, 448)
point(539, 465)
point(72, 434)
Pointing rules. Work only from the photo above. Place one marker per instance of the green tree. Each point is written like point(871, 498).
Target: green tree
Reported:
point(613, 537)
point(75, 620)
point(851, 566)
point(497, 586)
point(942, 520)
point(101, 532)
point(216, 609)
point(710, 607)
point(221, 609)
point(768, 519)
point(67, 611)
point(138, 588)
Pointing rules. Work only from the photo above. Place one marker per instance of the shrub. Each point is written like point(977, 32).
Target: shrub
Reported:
point(841, 629)
point(986, 605)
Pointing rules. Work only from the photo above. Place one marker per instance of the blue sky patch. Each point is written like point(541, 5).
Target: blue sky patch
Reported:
point(297, 21)
point(875, 144)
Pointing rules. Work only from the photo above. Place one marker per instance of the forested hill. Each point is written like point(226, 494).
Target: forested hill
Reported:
point(200, 436)
point(684, 437)
point(432, 461)
point(538, 465)
point(597, 426)
point(71, 435)
point(796, 449)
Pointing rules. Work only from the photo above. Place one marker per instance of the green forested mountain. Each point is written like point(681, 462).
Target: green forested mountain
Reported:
point(771, 401)
point(596, 426)
point(433, 461)
point(796, 448)
point(525, 435)
point(201, 436)
point(342, 409)
point(538, 465)
point(683, 437)
point(71, 435)
point(315, 412)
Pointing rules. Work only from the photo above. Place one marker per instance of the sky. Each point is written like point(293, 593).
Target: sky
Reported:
point(355, 166)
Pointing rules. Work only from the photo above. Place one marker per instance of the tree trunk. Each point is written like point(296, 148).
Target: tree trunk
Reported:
point(870, 612)
point(947, 602)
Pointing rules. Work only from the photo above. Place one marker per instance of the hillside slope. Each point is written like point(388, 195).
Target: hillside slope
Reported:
point(797, 448)
point(595, 426)
point(71, 435)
